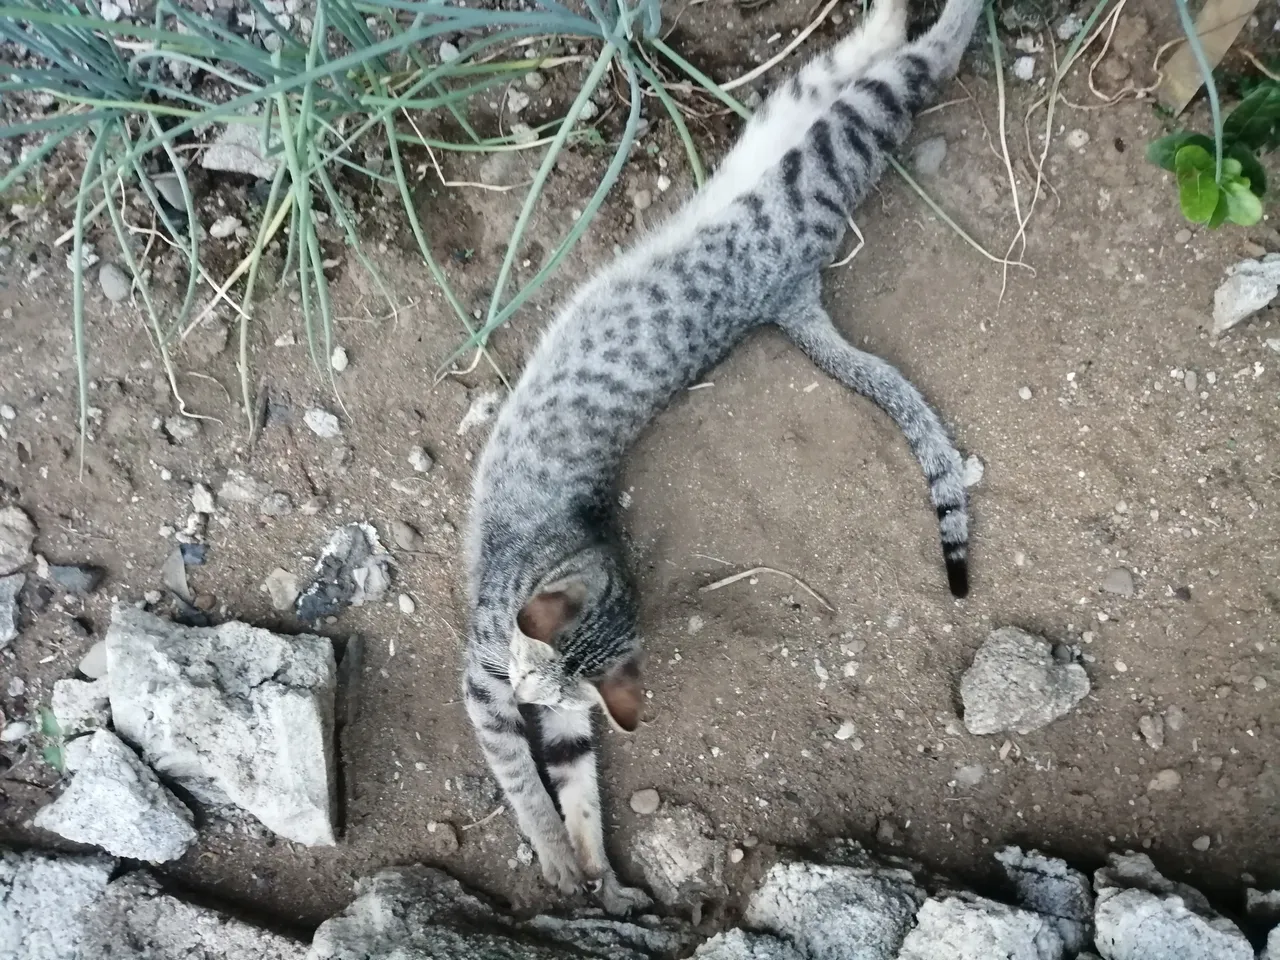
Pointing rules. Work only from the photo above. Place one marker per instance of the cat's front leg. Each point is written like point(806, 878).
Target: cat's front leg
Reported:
point(568, 750)
point(504, 739)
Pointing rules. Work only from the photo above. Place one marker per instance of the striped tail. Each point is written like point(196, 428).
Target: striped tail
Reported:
point(809, 327)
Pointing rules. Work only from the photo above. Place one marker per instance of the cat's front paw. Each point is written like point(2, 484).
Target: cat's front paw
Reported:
point(561, 870)
point(619, 900)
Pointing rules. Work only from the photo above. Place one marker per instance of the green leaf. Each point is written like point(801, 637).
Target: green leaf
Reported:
point(1162, 152)
point(1242, 206)
point(1250, 168)
point(1197, 191)
point(52, 755)
point(1255, 120)
point(1220, 211)
point(49, 725)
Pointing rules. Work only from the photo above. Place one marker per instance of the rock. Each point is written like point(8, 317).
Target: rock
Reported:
point(846, 730)
point(322, 423)
point(971, 775)
point(1183, 236)
point(1272, 950)
point(420, 460)
point(239, 487)
point(137, 919)
point(419, 912)
point(448, 52)
point(354, 569)
point(339, 360)
point(14, 731)
point(10, 587)
point(115, 802)
point(233, 713)
point(1025, 393)
point(974, 469)
point(837, 912)
point(7, 412)
point(202, 498)
point(1250, 286)
point(1262, 906)
point(406, 604)
point(484, 406)
point(1139, 925)
point(1164, 781)
point(737, 945)
point(1015, 684)
point(43, 902)
point(16, 535)
point(1024, 68)
point(404, 536)
point(94, 663)
point(678, 855)
point(312, 507)
point(238, 149)
point(1078, 139)
point(170, 188)
point(927, 157)
point(173, 574)
point(1068, 27)
point(224, 227)
point(79, 706)
point(1175, 718)
point(282, 587)
point(1151, 726)
point(79, 579)
point(276, 504)
point(642, 200)
point(517, 100)
point(1136, 871)
point(115, 283)
point(1119, 581)
point(1046, 885)
point(534, 80)
point(1202, 843)
point(646, 802)
point(958, 928)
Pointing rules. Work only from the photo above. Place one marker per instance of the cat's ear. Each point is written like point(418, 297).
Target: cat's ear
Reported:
point(622, 696)
point(549, 612)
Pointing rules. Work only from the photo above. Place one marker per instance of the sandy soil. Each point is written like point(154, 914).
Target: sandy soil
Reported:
point(1145, 444)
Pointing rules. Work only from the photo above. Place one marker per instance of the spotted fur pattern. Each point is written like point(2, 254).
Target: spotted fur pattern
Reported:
point(553, 614)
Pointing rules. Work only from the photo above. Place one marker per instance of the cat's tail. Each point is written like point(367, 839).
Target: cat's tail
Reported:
point(809, 327)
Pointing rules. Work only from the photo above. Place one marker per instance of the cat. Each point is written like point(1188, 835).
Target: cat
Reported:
point(553, 622)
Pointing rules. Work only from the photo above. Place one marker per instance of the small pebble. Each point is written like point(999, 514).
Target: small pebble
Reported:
point(94, 663)
point(663, 183)
point(224, 227)
point(276, 504)
point(846, 730)
point(1152, 729)
point(1025, 393)
point(646, 802)
point(15, 731)
point(312, 507)
point(1201, 843)
point(202, 498)
point(1191, 381)
point(1175, 718)
point(1024, 68)
point(1165, 781)
point(339, 361)
point(322, 423)
point(534, 80)
point(1121, 667)
point(407, 606)
point(115, 282)
point(524, 854)
point(404, 536)
point(1077, 139)
point(1119, 582)
point(642, 200)
point(7, 412)
point(1259, 683)
point(449, 52)
point(517, 100)
point(420, 460)
point(1182, 236)
point(736, 855)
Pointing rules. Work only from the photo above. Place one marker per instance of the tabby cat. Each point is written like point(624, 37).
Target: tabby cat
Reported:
point(552, 628)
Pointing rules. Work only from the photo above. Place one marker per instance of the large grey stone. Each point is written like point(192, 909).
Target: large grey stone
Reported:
point(43, 899)
point(115, 802)
point(137, 919)
point(956, 928)
point(10, 587)
point(1272, 949)
point(1250, 286)
point(1048, 886)
point(1135, 870)
point(679, 856)
point(1015, 684)
point(16, 535)
point(837, 912)
point(1139, 925)
point(419, 913)
point(739, 945)
point(238, 149)
point(232, 713)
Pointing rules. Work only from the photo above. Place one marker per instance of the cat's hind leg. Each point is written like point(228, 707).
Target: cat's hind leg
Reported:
point(807, 324)
point(567, 747)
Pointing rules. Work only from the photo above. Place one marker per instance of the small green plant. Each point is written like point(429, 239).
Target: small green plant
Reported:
point(1220, 179)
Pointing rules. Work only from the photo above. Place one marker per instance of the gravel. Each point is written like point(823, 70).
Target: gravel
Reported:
point(1015, 684)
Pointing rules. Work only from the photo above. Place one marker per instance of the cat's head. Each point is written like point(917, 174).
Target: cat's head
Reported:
point(574, 646)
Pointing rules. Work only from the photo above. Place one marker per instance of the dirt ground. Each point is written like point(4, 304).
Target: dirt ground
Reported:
point(1144, 444)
